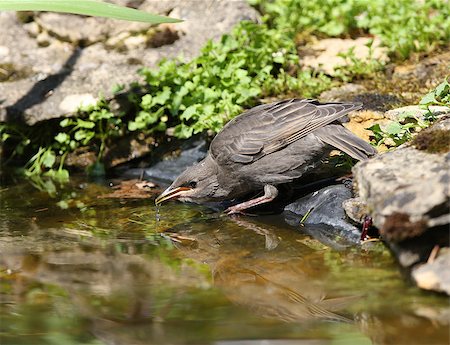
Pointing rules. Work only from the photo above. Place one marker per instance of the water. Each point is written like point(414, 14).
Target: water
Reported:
point(78, 269)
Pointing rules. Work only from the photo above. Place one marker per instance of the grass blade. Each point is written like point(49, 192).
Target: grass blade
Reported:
point(85, 7)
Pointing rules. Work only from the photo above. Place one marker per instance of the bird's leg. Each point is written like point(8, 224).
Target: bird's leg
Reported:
point(270, 193)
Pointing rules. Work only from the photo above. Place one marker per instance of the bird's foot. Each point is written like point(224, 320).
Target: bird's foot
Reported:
point(235, 210)
point(270, 193)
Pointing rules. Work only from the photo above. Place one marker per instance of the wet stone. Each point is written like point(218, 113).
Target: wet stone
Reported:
point(324, 207)
point(167, 170)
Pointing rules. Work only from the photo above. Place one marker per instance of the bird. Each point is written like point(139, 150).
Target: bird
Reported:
point(265, 147)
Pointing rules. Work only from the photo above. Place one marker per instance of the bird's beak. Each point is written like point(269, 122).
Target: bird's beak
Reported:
point(170, 193)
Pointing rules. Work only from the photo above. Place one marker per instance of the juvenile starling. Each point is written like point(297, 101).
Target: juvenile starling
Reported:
point(266, 146)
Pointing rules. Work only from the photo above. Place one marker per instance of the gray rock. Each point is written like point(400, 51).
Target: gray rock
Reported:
point(355, 209)
point(325, 208)
point(406, 191)
point(168, 169)
point(427, 72)
point(341, 93)
point(60, 72)
point(416, 111)
point(375, 101)
point(436, 274)
point(405, 186)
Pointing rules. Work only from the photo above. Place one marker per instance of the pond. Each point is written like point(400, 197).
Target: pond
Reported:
point(79, 269)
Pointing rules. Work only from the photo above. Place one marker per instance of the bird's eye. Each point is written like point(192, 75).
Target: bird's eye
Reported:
point(192, 184)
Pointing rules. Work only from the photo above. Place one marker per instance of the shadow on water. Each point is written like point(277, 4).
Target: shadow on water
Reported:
point(102, 271)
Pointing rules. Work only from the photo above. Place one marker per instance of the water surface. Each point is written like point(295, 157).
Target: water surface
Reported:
point(78, 269)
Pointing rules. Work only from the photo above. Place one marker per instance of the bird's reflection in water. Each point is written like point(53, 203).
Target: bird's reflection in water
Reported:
point(133, 292)
point(266, 269)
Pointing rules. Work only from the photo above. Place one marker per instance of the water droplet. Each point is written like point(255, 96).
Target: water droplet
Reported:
point(158, 214)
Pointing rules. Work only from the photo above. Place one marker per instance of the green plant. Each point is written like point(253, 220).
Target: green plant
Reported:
point(85, 7)
point(250, 63)
point(408, 124)
point(439, 96)
point(356, 67)
point(404, 26)
point(398, 132)
point(93, 126)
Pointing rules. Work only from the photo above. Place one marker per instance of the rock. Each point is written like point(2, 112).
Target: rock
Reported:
point(72, 103)
point(325, 208)
point(355, 209)
point(341, 93)
point(324, 54)
point(169, 169)
point(416, 111)
point(406, 192)
point(360, 121)
point(166, 170)
point(434, 275)
point(427, 72)
point(405, 185)
point(96, 67)
point(377, 101)
point(435, 139)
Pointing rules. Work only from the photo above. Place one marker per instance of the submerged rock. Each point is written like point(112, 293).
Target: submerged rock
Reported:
point(324, 207)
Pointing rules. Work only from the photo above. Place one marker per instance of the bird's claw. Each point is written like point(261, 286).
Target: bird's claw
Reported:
point(232, 210)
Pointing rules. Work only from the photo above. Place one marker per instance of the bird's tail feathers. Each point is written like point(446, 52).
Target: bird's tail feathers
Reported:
point(344, 140)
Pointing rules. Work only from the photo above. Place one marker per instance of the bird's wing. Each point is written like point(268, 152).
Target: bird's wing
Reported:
point(268, 128)
point(344, 140)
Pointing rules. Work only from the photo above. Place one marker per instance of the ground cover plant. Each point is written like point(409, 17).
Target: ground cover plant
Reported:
point(253, 62)
point(404, 26)
point(409, 124)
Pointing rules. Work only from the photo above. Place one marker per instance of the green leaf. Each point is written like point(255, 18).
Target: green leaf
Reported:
point(163, 96)
point(85, 7)
point(62, 175)
point(428, 98)
point(66, 122)
point(189, 112)
point(132, 126)
point(147, 102)
point(62, 138)
point(85, 124)
point(117, 88)
point(80, 135)
point(394, 128)
point(182, 131)
point(442, 88)
point(48, 158)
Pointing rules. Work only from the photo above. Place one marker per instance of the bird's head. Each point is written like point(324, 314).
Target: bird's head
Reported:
point(197, 183)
